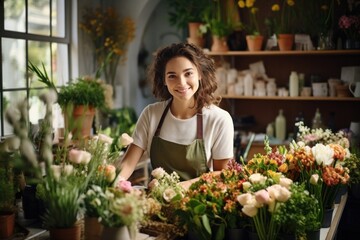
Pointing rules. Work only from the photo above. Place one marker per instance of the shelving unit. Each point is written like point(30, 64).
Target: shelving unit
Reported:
point(278, 64)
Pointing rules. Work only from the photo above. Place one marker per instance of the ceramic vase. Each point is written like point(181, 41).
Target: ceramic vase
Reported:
point(254, 42)
point(219, 44)
point(115, 233)
point(286, 42)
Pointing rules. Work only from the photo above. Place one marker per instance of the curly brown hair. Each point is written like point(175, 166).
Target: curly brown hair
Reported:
point(205, 65)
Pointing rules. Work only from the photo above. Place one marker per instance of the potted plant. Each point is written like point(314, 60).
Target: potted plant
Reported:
point(188, 14)
point(78, 100)
point(220, 19)
point(7, 186)
point(254, 38)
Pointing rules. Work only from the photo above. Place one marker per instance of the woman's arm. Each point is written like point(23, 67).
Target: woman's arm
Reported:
point(129, 161)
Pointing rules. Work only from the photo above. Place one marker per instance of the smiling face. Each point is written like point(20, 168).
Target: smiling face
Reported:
point(182, 79)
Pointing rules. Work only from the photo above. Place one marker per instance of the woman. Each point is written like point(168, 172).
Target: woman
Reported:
point(185, 132)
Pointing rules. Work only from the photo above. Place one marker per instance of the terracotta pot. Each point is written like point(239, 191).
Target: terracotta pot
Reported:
point(342, 90)
point(254, 43)
point(7, 223)
point(71, 233)
point(195, 37)
point(80, 122)
point(286, 42)
point(93, 228)
point(219, 44)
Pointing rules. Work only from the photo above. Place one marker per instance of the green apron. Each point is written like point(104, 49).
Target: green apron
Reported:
point(189, 161)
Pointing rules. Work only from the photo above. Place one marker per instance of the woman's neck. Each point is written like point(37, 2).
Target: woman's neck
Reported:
point(183, 110)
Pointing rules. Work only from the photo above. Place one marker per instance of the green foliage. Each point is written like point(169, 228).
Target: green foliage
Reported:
point(182, 12)
point(219, 18)
point(82, 92)
point(7, 196)
point(353, 164)
point(300, 213)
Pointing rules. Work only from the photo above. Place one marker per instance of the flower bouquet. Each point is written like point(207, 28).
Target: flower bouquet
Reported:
point(209, 207)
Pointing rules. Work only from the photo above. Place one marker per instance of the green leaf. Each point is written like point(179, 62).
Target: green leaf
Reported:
point(206, 223)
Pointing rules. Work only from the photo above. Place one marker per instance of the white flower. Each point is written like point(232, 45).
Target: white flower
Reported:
point(104, 138)
point(169, 194)
point(262, 196)
point(68, 169)
point(279, 193)
point(314, 179)
point(158, 173)
point(125, 140)
point(250, 210)
point(285, 182)
point(56, 170)
point(245, 198)
point(257, 178)
point(246, 185)
point(323, 154)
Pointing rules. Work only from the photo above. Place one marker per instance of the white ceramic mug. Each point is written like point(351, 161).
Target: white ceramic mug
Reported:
point(356, 91)
point(320, 89)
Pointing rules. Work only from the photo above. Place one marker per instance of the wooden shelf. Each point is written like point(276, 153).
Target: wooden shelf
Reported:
point(286, 53)
point(342, 99)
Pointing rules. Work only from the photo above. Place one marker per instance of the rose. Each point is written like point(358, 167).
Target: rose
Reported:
point(110, 172)
point(104, 138)
point(257, 178)
point(79, 156)
point(158, 173)
point(314, 179)
point(169, 194)
point(124, 186)
point(125, 139)
point(262, 196)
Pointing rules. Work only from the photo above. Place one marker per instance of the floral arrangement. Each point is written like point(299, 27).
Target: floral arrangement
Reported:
point(110, 35)
point(350, 25)
point(261, 201)
point(210, 207)
point(117, 206)
point(253, 27)
point(284, 17)
point(164, 193)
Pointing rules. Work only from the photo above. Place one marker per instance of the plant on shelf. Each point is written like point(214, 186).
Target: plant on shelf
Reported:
point(188, 15)
point(283, 23)
point(254, 38)
point(110, 36)
point(220, 19)
point(78, 100)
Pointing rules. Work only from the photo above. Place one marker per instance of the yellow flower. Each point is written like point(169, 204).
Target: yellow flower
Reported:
point(250, 3)
point(275, 8)
point(290, 2)
point(241, 4)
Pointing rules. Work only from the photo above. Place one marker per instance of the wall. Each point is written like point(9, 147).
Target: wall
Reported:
point(152, 31)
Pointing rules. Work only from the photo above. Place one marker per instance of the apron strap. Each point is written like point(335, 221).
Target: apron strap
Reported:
point(199, 127)
point(157, 132)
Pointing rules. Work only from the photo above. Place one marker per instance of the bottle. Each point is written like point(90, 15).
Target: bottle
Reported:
point(294, 84)
point(248, 85)
point(299, 118)
point(270, 130)
point(317, 121)
point(280, 126)
point(301, 81)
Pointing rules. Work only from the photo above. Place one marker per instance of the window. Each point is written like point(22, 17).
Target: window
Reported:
point(36, 31)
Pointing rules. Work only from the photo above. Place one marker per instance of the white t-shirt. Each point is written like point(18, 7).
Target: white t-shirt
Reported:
point(218, 130)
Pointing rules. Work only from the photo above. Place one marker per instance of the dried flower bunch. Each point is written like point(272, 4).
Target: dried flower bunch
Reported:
point(110, 35)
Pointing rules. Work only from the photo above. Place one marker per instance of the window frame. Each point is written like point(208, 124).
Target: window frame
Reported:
point(33, 37)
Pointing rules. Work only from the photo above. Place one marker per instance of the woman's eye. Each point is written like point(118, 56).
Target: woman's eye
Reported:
point(188, 74)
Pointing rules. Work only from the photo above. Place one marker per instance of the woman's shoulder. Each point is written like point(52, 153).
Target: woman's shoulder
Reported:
point(217, 115)
point(155, 107)
point(215, 110)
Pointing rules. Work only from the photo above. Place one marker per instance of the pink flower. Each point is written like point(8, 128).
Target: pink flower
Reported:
point(262, 196)
point(79, 156)
point(124, 186)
